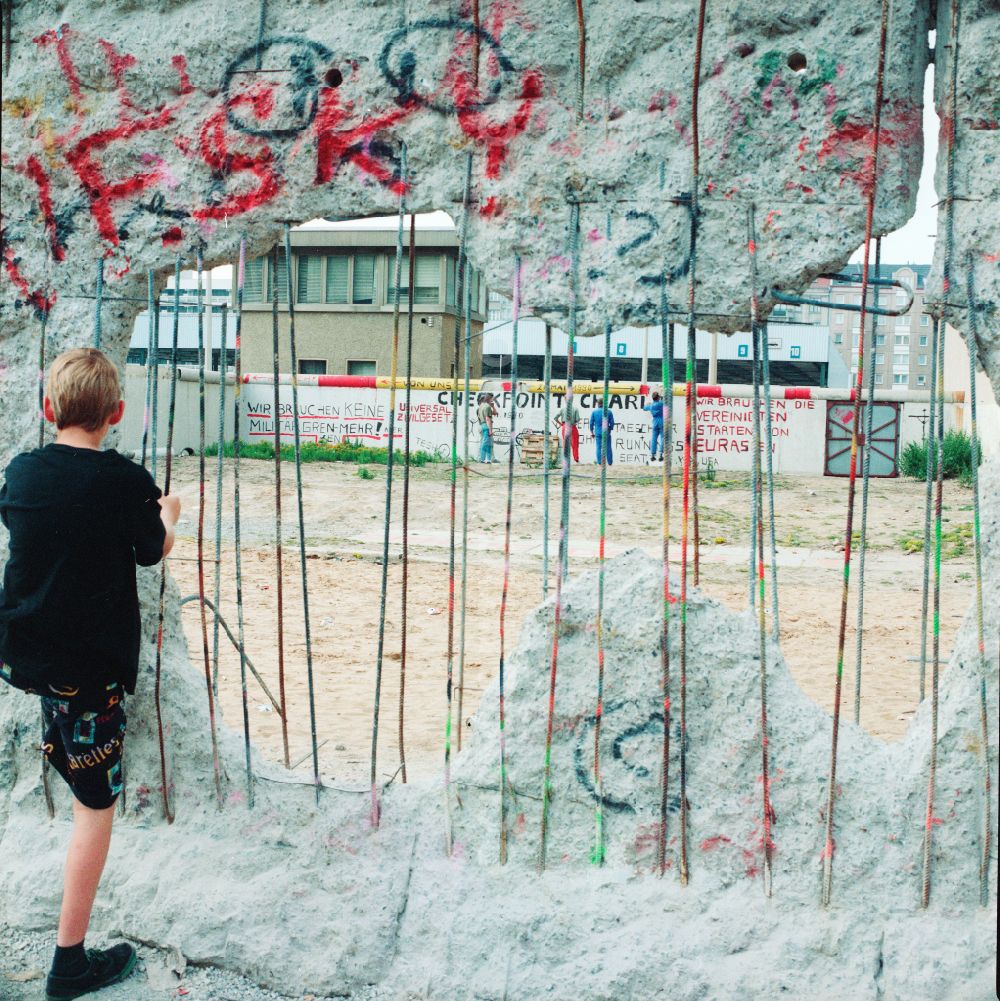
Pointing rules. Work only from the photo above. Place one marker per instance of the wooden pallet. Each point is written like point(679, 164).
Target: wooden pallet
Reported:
point(533, 449)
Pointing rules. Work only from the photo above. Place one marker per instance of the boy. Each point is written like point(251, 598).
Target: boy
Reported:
point(80, 519)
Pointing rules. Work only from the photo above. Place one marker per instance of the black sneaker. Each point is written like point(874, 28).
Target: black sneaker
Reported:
point(107, 966)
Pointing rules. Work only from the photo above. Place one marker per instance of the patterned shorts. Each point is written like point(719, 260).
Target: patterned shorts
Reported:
point(86, 747)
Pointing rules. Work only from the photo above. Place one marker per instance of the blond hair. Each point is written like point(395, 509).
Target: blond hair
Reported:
point(83, 389)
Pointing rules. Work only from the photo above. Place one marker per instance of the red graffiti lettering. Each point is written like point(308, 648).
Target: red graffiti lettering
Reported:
point(34, 169)
point(59, 37)
point(213, 144)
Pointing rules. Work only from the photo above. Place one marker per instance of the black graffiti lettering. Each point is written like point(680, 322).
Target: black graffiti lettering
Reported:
point(624, 724)
point(398, 65)
point(302, 63)
point(643, 238)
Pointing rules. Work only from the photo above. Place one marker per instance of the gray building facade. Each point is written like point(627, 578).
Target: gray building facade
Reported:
point(343, 284)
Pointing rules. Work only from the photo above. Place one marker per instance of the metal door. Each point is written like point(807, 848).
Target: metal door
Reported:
point(885, 438)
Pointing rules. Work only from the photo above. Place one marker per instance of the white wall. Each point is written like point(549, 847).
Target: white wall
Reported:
point(726, 427)
point(186, 416)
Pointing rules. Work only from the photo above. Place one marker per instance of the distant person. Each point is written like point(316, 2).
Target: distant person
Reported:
point(80, 519)
point(656, 409)
point(602, 435)
point(567, 419)
point(487, 411)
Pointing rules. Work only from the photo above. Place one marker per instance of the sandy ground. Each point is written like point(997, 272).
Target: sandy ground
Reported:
point(344, 527)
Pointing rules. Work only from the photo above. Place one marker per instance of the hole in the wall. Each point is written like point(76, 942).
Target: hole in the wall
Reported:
point(797, 62)
point(745, 49)
point(333, 77)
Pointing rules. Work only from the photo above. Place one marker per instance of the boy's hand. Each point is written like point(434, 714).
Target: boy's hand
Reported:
point(170, 509)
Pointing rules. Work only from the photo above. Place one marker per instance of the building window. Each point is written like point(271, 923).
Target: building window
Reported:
point(309, 281)
point(838, 317)
point(921, 359)
point(879, 340)
point(363, 282)
point(838, 338)
point(921, 380)
point(450, 281)
point(336, 278)
point(361, 368)
point(879, 358)
point(813, 309)
point(312, 366)
point(902, 340)
point(903, 321)
point(900, 379)
point(475, 286)
point(280, 277)
point(253, 280)
point(838, 298)
point(855, 338)
point(925, 320)
point(923, 340)
point(878, 379)
point(426, 281)
point(901, 359)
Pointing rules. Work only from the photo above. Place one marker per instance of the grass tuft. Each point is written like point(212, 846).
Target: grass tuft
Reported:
point(345, 451)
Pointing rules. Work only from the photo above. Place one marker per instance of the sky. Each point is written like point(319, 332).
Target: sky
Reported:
point(914, 242)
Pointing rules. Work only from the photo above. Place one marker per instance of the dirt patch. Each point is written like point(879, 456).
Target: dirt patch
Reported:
point(344, 525)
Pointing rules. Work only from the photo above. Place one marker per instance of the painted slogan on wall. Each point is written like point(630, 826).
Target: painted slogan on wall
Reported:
point(725, 426)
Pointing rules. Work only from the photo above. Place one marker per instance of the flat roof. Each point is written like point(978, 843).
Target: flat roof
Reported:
point(433, 229)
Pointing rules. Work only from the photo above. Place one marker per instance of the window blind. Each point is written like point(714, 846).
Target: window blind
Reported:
point(363, 288)
point(279, 276)
point(253, 280)
point(426, 281)
point(310, 273)
point(336, 278)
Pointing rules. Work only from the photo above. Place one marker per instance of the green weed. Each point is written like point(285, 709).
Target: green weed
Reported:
point(956, 453)
point(345, 451)
point(955, 541)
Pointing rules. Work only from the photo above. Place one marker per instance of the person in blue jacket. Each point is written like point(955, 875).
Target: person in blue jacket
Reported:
point(656, 409)
point(603, 441)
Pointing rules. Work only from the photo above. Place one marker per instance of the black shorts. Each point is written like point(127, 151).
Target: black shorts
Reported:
point(85, 747)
